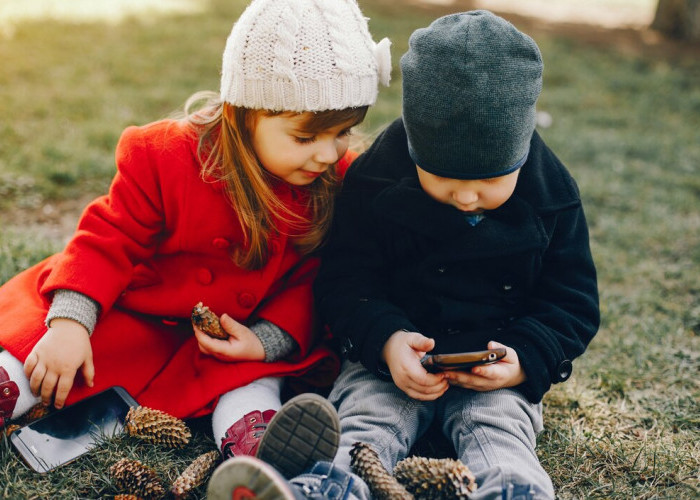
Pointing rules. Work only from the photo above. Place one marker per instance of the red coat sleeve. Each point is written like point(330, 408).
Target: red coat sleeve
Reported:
point(116, 231)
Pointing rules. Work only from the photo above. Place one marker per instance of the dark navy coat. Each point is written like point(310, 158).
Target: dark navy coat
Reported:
point(397, 259)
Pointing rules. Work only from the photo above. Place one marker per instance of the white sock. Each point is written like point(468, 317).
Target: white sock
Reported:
point(15, 369)
point(262, 394)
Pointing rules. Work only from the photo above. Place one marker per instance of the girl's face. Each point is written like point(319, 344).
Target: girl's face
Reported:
point(469, 196)
point(289, 152)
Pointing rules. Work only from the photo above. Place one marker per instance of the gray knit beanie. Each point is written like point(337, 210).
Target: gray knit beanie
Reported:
point(470, 84)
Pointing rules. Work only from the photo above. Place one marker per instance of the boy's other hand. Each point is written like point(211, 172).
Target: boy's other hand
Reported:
point(505, 373)
point(56, 358)
point(402, 354)
point(241, 345)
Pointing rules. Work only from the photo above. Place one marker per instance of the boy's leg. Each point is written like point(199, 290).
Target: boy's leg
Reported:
point(378, 413)
point(494, 434)
point(304, 431)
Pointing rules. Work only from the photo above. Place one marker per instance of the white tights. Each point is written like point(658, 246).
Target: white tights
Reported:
point(262, 394)
point(15, 369)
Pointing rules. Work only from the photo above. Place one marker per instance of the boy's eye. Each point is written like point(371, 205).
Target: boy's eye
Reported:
point(305, 140)
point(345, 132)
point(491, 180)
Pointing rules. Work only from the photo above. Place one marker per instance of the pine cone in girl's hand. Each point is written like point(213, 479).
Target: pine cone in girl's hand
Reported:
point(156, 427)
point(195, 474)
point(205, 319)
point(366, 464)
point(435, 479)
point(132, 477)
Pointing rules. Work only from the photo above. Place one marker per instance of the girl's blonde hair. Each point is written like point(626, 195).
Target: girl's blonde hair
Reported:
point(226, 153)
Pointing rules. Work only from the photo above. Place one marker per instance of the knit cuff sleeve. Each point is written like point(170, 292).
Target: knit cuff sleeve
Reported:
point(277, 343)
point(76, 306)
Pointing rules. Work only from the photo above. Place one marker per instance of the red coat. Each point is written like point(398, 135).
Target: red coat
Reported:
point(147, 252)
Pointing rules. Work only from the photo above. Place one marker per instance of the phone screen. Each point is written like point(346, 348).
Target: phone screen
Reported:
point(68, 433)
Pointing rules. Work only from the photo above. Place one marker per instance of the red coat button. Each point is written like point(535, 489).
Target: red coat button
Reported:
point(246, 300)
point(220, 243)
point(204, 276)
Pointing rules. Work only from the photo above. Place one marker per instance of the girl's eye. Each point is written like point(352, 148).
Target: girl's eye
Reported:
point(305, 140)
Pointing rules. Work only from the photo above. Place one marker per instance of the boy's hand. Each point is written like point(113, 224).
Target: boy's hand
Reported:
point(241, 345)
point(505, 373)
point(402, 354)
point(54, 361)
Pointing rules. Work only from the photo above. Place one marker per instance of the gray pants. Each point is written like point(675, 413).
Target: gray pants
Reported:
point(493, 432)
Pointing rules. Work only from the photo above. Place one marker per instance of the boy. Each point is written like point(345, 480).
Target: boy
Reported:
point(456, 231)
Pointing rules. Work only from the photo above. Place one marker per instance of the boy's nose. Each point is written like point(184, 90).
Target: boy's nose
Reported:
point(465, 196)
point(327, 152)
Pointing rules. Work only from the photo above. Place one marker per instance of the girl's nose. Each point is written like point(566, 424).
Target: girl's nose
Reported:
point(327, 152)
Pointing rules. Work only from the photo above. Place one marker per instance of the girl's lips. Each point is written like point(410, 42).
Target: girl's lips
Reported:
point(311, 174)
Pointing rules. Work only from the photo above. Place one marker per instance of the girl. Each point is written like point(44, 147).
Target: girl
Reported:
point(226, 207)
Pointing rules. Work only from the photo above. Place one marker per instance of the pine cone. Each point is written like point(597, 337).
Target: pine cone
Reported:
point(127, 496)
point(10, 428)
point(434, 479)
point(156, 427)
point(36, 412)
point(366, 464)
point(208, 322)
point(195, 474)
point(132, 477)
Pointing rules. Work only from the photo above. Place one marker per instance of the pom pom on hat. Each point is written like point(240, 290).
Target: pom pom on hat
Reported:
point(470, 84)
point(303, 55)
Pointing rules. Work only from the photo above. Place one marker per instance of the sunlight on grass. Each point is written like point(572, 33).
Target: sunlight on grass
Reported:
point(607, 13)
point(80, 11)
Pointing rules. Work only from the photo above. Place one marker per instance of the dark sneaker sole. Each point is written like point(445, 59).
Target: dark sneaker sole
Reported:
point(246, 477)
point(306, 430)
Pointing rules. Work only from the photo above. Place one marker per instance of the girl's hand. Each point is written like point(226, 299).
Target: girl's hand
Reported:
point(241, 345)
point(402, 354)
point(54, 361)
point(505, 373)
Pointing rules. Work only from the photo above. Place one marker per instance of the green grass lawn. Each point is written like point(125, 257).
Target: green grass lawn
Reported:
point(625, 121)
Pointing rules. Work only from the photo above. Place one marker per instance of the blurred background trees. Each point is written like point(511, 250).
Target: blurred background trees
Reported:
point(678, 19)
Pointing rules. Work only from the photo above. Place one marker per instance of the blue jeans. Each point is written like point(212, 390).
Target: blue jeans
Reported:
point(493, 432)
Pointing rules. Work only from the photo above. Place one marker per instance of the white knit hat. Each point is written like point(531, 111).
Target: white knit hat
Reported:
point(303, 55)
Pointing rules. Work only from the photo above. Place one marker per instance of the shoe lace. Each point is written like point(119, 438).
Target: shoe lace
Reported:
point(261, 429)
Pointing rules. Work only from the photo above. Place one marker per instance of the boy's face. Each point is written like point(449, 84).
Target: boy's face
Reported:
point(469, 196)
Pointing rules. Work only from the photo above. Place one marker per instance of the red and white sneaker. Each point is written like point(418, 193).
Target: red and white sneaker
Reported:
point(9, 392)
point(304, 431)
point(245, 477)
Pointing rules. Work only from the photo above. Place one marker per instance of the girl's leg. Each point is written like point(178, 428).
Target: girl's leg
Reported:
point(241, 414)
point(494, 434)
point(15, 396)
point(251, 420)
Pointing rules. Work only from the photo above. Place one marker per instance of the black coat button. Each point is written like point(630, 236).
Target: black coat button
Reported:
point(346, 348)
point(564, 370)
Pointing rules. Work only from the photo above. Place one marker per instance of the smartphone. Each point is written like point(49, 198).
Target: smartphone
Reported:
point(461, 360)
point(64, 435)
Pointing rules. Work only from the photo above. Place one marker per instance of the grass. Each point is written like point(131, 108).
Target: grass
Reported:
point(624, 121)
